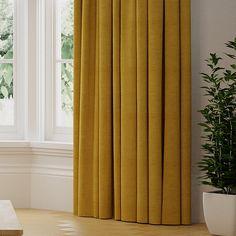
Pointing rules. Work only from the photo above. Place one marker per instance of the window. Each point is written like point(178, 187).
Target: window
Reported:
point(59, 69)
point(64, 62)
point(36, 70)
point(7, 62)
point(13, 64)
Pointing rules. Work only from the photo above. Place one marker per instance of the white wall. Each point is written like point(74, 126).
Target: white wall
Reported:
point(213, 24)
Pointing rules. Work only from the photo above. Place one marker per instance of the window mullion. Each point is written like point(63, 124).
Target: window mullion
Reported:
point(7, 61)
point(64, 61)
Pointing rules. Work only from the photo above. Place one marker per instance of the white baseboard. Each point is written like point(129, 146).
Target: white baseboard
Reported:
point(15, 187)
point(37, 177)
point(51, 192)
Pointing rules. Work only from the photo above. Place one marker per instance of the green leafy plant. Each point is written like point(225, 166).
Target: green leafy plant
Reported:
point(219, 125)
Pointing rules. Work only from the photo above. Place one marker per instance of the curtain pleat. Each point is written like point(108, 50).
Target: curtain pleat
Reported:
point(132, 110)
point(171, 162)
point(142, 111)
point(117, 108)
point(87, 161)
point(185, 64)
point(76, 118)
point(128, 111)
point(104, 84)
point(155, 108)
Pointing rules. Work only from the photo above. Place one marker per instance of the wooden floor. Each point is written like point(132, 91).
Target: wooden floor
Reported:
point(48, 223)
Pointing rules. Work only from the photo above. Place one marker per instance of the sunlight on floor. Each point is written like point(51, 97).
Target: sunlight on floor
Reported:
point(49, 223)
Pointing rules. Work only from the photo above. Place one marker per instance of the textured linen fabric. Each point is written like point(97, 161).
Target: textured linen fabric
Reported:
point(132, 110)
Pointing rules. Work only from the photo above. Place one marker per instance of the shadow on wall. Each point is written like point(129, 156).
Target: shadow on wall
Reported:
point(213, 24)
point(196, 104)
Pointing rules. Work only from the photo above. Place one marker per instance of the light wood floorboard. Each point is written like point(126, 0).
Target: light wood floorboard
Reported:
point(49, 223)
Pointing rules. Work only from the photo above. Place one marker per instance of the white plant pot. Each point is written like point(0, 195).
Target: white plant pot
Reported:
point(220, 213)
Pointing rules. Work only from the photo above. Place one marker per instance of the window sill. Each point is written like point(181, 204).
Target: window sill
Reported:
point(36, 148)
point(24, 143)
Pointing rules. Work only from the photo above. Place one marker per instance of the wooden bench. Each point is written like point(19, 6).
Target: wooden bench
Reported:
point(9, 224)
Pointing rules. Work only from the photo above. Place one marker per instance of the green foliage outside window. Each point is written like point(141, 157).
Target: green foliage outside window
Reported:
point(6, 81)
point(67, 53)
point(6, 48)
point(6, 52)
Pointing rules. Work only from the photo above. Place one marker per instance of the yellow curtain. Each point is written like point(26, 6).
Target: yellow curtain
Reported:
point(132, 110)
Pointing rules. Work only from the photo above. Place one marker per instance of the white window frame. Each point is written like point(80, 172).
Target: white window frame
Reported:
point(52, 132)
point(20, 41)
point(34, 75)
point(58, 60)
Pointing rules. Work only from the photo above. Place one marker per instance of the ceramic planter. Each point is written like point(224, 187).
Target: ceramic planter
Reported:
point(220, 213)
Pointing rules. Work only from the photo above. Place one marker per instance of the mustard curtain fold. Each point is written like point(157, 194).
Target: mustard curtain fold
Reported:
point(132, 110)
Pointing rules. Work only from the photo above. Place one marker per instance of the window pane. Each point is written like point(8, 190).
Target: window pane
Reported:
point(65, 95)
point(66, 14)
point(6, 94)
point(6, 29)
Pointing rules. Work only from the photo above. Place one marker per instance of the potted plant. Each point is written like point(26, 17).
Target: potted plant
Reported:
point(218, 163)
